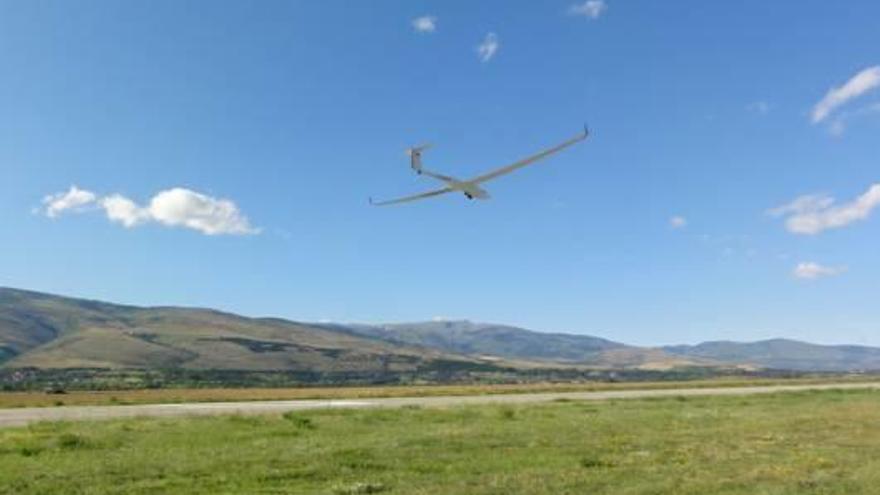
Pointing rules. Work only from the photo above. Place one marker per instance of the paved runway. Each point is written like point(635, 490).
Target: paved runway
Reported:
point(25, 416)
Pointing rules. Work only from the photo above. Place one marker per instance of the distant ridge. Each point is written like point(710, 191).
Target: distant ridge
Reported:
point(467, 337)
point(54, 332)
point(786, 354)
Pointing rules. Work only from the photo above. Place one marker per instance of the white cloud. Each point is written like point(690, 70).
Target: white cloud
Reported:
point(123, 210)
point(678, 222)
point(487, 49)
point(859, 84)
point(810, 270)
point(177, 207)
point(75, 199)
point(184, 208)
point(814, 213)
point(591, 9)
point(425, 24)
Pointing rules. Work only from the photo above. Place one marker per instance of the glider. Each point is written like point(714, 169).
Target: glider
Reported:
point(471, 188)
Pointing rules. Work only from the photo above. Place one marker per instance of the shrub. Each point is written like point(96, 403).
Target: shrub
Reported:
point(72, 441)
point(594, 462)
point(299, 421)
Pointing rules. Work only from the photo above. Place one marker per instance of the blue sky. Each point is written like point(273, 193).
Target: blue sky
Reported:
point(294, 113)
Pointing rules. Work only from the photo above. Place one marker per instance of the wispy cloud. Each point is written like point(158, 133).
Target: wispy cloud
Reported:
point(74, 199)
point(487, 49)
point(803, 204)
point(859, 84)
point(815, 213)
point(837, 127)
point(758, 107)
point(678, 222)
point(177, 207)
point(810, 270)
point(842, 120)
point(591, 9)
point(425, 24)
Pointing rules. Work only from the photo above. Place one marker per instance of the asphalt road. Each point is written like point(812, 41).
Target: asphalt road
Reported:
point(25, 416)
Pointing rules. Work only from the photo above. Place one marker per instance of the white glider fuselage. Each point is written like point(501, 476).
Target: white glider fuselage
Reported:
point(471, 188)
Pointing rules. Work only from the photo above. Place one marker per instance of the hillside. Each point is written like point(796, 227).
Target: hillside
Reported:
point(465, 337)
point(52, 332)
point(507, 342)
point(44, 331)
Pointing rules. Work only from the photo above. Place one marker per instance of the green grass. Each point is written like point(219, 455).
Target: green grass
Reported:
point(796, 443)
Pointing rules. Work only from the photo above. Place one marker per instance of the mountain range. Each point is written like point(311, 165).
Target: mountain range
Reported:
point(53, 332)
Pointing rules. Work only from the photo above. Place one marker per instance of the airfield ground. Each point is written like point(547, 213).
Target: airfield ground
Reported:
point(187, 395)
point(784, 443)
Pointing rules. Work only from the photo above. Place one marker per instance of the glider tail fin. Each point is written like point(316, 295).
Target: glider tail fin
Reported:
point(415, 156)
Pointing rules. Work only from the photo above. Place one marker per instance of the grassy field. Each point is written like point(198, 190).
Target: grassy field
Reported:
point(794, 443)
point(173, 395)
